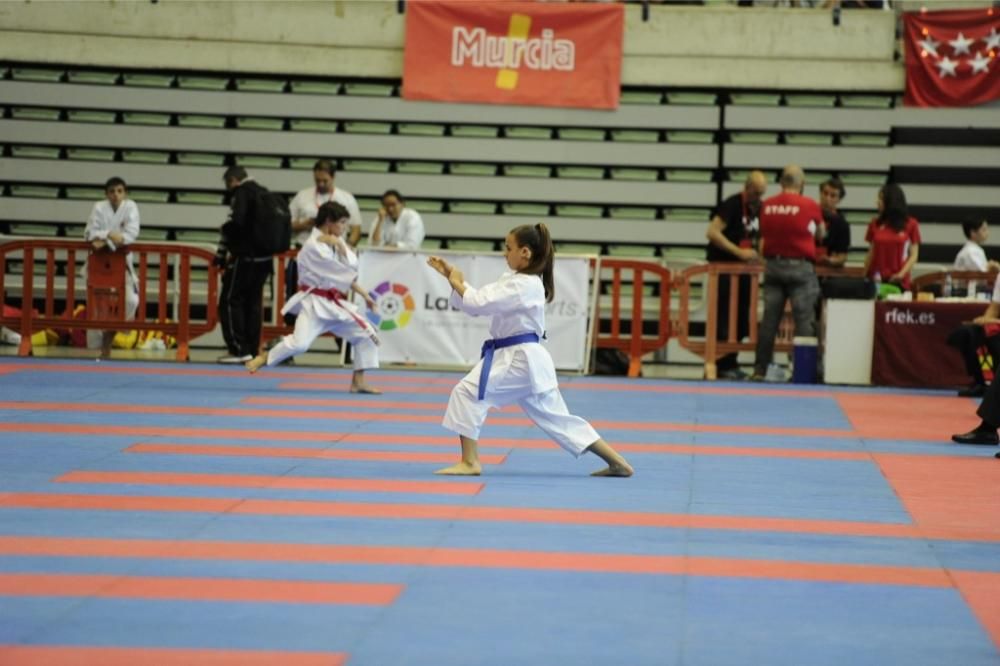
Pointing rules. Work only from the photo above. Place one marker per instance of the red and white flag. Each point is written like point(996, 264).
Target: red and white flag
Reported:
point(952, 57)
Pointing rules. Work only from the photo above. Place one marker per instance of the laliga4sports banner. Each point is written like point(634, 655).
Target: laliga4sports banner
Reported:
point(531, 53)
point(417, 324)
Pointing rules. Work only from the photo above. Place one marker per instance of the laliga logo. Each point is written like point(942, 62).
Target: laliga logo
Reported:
point(508, 53)
point(393, 304)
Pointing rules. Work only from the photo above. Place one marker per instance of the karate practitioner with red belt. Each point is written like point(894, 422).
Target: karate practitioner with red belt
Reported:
point(328, 272)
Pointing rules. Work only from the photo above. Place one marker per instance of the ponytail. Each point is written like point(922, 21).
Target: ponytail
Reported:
point(539, 241)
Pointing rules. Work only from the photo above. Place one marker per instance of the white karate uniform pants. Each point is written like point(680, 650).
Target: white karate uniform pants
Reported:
point(466, 413)
point(308, 327)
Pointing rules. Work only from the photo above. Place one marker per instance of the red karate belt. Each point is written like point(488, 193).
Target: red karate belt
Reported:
point(338, 298)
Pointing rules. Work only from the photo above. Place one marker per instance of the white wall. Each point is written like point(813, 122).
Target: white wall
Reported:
point(716, 46)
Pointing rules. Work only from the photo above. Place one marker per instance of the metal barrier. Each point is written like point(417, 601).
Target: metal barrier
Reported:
point(634, 341)
point(171, 285)
point(709, 347)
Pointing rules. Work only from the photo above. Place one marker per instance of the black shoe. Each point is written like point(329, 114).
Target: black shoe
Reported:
point(997, 455)
point(974, 391)
point(734, 374)
point(989, 437)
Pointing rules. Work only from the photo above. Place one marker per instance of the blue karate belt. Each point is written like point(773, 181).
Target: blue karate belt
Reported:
point(492, 345)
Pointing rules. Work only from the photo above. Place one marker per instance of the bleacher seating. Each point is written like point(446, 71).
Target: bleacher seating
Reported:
point(640, 180)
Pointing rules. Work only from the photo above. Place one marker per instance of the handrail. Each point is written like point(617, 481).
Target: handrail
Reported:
point(164, 256)
point(634, 342)
point(709, 348)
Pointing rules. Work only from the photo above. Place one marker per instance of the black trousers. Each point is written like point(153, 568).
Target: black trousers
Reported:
point(729, 361)
point(989, 408)
point(240, 304)
point(967, 339)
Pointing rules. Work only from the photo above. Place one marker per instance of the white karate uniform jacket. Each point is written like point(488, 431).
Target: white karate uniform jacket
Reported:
point(322, 268)
point(406, 232)
point(517, 304)
point(306, 203)
point(104, 220)
point(522, 373)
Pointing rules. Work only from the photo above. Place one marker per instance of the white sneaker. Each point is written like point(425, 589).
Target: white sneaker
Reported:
point(233, 360)
point(9, 337)
point(775, 374)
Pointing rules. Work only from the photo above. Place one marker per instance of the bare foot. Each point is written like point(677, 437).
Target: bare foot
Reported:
point(255, 364)
point(364, 388)
point(461, 469)
point(615, 470)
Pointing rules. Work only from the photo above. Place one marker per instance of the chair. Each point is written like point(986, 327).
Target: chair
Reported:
point(314, 88)
point(202, 82)
point(146, 156)
point(36, 74)
point(632, 213)
point(420, 167)
point(260, 85)
point(472, 207)
point(132, 118)
point(581, 134)
point(526, 170)
point(532, 209)
point(149, 80)
point(90, 154)
point(87, 116)
point(309, 125)
point(199, 120)
point(35, 152)
point(92, 78)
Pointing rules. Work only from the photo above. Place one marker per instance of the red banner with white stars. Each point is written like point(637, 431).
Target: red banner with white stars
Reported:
point(952, 57)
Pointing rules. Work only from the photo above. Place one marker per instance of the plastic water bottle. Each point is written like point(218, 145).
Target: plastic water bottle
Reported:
point(946, 291)
point(877, 279)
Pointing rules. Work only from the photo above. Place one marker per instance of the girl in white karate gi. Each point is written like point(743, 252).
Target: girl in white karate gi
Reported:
point(328, 270)
point(515, 367)
point(114, 223)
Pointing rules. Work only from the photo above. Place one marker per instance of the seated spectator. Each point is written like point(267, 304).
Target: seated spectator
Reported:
point(972, 257)
point(114, 223)
point(396, 225)
point(984, 330)
point(837, 242)
point(893, 239)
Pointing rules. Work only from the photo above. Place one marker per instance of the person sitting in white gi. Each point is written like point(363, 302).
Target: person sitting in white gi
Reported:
point(114, 223)
point(972, 257)
point(515, 367)
point(328, 271)
point(396, 225)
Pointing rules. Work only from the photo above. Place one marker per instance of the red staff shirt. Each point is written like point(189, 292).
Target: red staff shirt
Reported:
point(890, 248)
point(788, 225)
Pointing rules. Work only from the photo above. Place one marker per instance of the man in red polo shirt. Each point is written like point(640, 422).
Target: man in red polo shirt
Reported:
point(790, 225)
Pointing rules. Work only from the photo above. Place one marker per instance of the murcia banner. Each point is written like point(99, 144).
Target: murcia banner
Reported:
point(514, 53)
point(417, 324)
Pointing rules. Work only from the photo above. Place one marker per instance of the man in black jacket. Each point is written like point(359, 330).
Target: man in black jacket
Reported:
point(245, 273)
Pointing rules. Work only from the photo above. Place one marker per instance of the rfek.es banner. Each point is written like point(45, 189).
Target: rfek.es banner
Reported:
point(417, 324)
point(546, 54)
